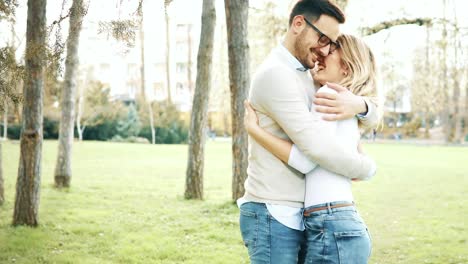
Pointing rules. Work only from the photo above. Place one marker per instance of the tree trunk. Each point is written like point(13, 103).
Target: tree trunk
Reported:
point(5, 120)
point(199, 117)
point(79, 115)
point(456, 120)
point(448, 113)
point(189, 59)
point(168, 52)
point(427, 82)
point(458, 82)
point(151, 117)
point(29, 172)
point(465, 103)
point(63, 171)
point(238, 52)
point(142, 74)
point(2, 186)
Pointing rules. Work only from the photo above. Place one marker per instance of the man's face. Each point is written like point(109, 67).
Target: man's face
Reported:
point(307, 49)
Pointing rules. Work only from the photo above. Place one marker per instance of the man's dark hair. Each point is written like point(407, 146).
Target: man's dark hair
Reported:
point(313, 9)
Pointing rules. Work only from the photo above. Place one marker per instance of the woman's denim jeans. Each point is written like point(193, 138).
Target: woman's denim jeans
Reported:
point(336, 235)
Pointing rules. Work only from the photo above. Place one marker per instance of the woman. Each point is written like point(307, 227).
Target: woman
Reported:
point(335, 232)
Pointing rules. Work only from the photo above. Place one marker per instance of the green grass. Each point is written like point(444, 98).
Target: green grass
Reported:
point(126, 206)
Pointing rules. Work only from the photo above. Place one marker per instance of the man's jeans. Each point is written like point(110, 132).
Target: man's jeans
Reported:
point(336, 236)
point(267, 240)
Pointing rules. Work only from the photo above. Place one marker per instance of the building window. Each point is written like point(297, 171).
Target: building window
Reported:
point(158, 89)
point(160, 71)
point(181, 68)
point(132, 71)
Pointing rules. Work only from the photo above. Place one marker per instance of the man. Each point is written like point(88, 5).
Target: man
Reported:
point(271, 209)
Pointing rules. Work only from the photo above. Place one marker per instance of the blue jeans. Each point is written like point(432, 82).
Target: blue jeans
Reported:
point(267, 240)
point(336, 235)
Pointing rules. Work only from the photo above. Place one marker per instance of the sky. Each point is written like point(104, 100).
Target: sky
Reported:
point(400, 42)
point(359, 13)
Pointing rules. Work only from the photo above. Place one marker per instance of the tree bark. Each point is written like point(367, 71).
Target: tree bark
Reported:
point(63, 171)
point(2, 186)
point(238, 53)
point(29, 172)
point(168, 52)
point(199, 117)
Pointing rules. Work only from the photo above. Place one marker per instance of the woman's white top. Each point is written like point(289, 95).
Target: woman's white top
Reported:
point(324, 186)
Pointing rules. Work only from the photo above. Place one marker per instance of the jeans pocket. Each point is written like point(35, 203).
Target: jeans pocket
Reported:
point(249, 229)
point(353, 246)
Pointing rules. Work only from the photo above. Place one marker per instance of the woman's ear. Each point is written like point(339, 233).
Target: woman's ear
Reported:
point(344, 68)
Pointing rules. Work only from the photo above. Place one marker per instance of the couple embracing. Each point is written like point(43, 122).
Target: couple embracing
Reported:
point(307, 102)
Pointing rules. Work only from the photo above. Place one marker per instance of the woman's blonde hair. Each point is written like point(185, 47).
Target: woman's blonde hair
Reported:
point(359, 61)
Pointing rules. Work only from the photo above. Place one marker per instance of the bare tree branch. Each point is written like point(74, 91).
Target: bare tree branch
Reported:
point(396, 22)
point(414, 21)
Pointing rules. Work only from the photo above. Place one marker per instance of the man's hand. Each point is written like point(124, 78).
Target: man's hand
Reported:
point(250, 118)
point(343, 105)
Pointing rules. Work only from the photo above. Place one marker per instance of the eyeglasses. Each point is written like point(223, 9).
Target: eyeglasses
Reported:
point(323, 40)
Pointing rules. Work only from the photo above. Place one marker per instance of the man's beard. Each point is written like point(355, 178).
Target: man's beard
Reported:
point(302, 51)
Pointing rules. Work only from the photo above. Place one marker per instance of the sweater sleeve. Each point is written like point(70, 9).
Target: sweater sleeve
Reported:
point(299, 161)
point(370, 119)
point(279, 94)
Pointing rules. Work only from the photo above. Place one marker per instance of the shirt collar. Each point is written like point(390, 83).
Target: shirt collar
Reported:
point(291, 59)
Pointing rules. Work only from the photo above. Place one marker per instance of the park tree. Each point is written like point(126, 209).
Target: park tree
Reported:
point(95, 106)
point(10, 73)
point(81, 85)
point(125, 31)
point(464, 106)
point(238, 53)
point(168, 50)
point(2, 182)
point(266, 37)
point(63, 171)
point(455, 120)
point(441, 83)
point(219, 97)
point(144, 97)
point(425, 98)
point(199, 118)
point(189, 59)
point(29, 172)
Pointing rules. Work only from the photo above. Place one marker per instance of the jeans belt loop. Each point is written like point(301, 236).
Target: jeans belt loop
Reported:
point(329, 208)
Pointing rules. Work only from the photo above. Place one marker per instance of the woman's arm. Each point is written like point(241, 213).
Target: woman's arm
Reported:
point(277, 146)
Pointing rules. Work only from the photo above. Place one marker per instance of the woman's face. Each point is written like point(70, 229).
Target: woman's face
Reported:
point(331, 70)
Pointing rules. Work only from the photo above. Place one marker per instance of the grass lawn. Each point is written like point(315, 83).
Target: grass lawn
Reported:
point(126, 206)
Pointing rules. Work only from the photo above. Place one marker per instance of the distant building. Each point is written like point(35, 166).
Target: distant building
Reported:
point(118, 66)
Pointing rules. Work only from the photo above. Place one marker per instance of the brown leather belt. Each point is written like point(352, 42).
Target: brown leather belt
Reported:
point(309, 211)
